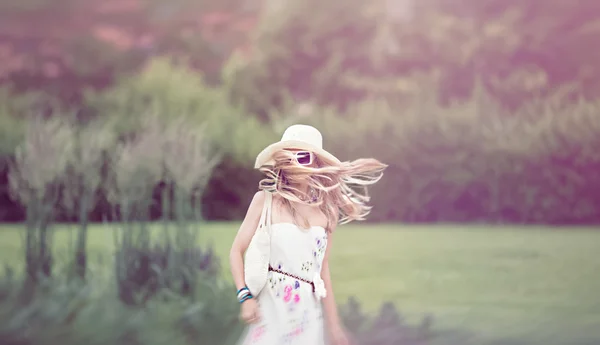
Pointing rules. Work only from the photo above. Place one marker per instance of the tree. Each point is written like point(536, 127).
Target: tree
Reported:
point(396, 49)
point(81, 43)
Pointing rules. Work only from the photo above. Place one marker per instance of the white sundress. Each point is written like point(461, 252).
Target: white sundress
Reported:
point(291, 313)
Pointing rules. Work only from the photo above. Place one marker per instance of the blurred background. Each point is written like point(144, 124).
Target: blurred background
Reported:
point(129, 128)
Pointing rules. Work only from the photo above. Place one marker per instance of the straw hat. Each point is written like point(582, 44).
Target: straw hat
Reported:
point(301, 137)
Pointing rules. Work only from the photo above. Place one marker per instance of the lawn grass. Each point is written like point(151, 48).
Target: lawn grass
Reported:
point(533, 285)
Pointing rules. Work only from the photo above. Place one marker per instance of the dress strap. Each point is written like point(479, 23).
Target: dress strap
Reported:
point(265, 217)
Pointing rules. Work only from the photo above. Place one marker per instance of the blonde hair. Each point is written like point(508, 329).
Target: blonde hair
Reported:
point(340, 188)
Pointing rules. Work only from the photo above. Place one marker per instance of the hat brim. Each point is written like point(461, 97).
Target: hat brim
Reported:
point(264, 157)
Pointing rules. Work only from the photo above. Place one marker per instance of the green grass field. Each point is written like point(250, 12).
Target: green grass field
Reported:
point(506, 284)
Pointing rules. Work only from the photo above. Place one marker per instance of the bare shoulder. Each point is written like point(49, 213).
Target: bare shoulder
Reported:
point(258, 200)
point(255, 208)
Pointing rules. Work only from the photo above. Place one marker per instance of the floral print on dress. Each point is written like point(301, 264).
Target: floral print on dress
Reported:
point(276, 281)
point(320, 248)
point(291, 296)
point(307, 266)
point(321, 245)
point(287, 293)
point(258, 333)
point(298, 327)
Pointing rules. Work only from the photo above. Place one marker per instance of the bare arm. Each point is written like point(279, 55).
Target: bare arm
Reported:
point(329, 304)
point(243, 238)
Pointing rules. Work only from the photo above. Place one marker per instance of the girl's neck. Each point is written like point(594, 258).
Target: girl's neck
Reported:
point(304, 189)
point(309, 195)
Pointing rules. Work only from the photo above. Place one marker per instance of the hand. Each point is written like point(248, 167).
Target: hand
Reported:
point(337, 336)
point(249, 312)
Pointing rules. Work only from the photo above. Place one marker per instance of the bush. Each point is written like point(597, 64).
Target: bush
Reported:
point(385, 328)
point(61, 312)
point(388, 327)
point(394, 49)
point(474, 161)
point(142, 273)
point(172, 91)
point(12, 122)
point(230, 190)
point(13, 111)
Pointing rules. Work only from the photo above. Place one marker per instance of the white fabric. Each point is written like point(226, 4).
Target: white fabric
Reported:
point(297, 137)
point(291, 313)
point(256, 258)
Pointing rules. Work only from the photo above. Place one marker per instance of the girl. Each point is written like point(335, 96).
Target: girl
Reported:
point(310, 191)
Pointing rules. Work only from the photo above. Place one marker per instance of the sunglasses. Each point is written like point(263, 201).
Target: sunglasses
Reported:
point(304, 157)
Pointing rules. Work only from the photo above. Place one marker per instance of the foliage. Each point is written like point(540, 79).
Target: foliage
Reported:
point(12, 119)
point(12, 129)
point(386, 328)
point(398, 49)
point(16, 109)
point(524, 37)
point(75, 313)
point(381, 47)
point(64, 54)
point(417, 64)
point(143, 273)
point(171, 92)
point(230, 190)
point(471, 161)
point(389, 327)
point(82, 181)
point(304, 55)
point(34, 180)
point(178, 156)
point(176, 97)
point(59, 163)
point(64, 163)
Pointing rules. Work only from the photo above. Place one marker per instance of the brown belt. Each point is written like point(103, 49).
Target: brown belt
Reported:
point(271, 269)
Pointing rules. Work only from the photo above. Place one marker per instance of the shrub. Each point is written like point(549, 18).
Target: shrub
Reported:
point(388, 327)
point(230, 190)
point(174, 94)
point(475, 161)
point(144, 272)
point(35, 180)
point(73, 312)
point(179, 159)
point(12, 121)
point(170, 91)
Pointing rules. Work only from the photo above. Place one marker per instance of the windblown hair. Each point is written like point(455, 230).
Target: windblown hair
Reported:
point(340, 190)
